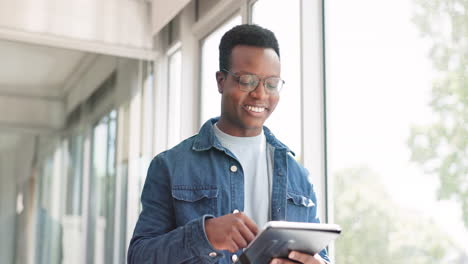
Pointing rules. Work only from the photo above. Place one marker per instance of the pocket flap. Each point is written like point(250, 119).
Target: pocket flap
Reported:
point(299, 199)
point(194, 193)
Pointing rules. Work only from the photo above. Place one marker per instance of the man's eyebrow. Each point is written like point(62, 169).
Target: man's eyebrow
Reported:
point(246, 72)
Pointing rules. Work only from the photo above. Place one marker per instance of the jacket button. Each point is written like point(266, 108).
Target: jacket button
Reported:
point(234, 258)
point(212, 254)
point(233, 168)
point(235, 211)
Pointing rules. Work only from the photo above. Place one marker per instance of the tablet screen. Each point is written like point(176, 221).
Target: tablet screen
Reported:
point(278, 238)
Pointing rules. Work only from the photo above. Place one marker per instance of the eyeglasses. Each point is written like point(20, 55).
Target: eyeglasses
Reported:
point(249, 82)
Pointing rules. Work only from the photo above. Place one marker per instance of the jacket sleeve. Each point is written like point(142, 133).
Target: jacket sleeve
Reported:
point(156, 238)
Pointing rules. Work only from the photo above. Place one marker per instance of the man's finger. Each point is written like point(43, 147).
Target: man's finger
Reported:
point(281, 261)
point(302, 257)
point(249, 223)
point(232, 246)
point(246, 233)
point(239, 239)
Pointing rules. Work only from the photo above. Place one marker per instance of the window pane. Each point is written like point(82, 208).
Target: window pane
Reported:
point(146, 142)
point(47, 226)
point(283, 18)
point(210, 98)
point(396, 112)
point(174, 119)
point(102, 187)
point(75, 179)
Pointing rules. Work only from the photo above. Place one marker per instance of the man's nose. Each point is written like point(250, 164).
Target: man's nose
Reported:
point(260, 91)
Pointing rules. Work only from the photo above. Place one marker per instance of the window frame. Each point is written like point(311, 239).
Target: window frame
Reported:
point(313, 103)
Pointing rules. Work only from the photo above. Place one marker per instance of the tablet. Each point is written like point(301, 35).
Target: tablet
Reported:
point(278, 238)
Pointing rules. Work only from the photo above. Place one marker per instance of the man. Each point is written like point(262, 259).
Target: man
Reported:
point(204, 199)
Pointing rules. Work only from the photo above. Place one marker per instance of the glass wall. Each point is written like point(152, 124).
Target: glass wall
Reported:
point(48, 250)
point(74, 176)
point(72, 219)
point(175, 93)
point(283, 18)
point(210, 97)
point(396, 115)
point(82, 204)
point(146, 114)
point(102, 191)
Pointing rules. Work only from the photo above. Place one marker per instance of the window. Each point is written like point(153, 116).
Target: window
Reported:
point(147, 114)
point(46, 224)
point(210, 98)
point(394, 113)
point(283, 18)
point(175, 89)
point(49, 228)
point(146, 118)
point(102, 191)
point(75, 179)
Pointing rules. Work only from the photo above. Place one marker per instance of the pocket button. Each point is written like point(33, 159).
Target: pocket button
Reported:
point(234, 258)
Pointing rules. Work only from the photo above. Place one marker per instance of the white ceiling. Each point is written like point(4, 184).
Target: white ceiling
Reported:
point(35, 70)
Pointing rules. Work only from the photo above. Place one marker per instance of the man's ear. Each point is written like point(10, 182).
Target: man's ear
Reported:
point(220, 78)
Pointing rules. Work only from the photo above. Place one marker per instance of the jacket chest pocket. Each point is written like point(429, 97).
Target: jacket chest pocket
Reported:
point(298, 207)
point(191, 202)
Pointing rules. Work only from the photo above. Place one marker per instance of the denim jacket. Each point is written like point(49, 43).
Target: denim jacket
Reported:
point(199, 179)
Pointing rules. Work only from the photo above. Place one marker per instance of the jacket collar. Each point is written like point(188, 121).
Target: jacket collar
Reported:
point(206, 139)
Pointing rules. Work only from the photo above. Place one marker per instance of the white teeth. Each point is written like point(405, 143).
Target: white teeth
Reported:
point(256, 109)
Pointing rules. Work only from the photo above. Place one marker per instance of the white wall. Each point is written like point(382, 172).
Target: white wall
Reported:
point(35, 113)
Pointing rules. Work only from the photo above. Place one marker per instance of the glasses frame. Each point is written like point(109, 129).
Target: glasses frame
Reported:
point(260, 80)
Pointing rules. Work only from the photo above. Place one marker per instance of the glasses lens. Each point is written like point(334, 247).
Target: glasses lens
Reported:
point(273, 83)
point(248, 81)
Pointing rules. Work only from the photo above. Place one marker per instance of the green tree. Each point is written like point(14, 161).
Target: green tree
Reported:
point(441, 148)
point(377, 230)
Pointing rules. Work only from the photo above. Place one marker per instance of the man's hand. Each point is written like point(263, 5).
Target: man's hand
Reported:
point(230, 232)
point(299, 257)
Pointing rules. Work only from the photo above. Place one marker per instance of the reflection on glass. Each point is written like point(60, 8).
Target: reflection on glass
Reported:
point(72, 220)
point(102, 191)
point(390, 103)
point(147, 111)
point(175, 89)
point(283, 18)
point(75, 179)
point(123, 211)
point(48, 231)
point(210, 98)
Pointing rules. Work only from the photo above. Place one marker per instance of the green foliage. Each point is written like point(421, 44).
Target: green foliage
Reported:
point(441, 148)
point(376, 230)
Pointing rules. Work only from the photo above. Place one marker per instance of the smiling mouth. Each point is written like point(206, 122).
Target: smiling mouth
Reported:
point(256, 109)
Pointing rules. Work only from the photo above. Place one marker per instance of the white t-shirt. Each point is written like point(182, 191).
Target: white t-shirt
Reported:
point(253, 155)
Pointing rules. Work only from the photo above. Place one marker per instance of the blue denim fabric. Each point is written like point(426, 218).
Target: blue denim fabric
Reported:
point(193, 181)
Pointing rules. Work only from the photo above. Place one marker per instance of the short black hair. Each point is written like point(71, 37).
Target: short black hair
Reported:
point(250, 35)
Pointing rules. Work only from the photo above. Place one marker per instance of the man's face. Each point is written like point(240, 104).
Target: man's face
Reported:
point(243, 113)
